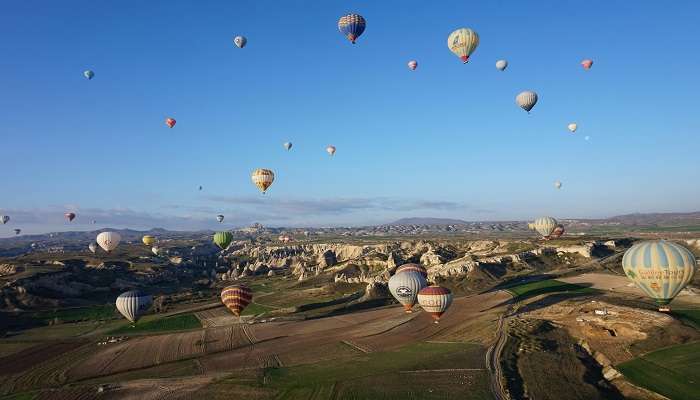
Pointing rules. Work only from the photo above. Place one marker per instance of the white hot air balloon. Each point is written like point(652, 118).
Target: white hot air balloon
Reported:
point(240, 41)
point(501, 65)
point(287, 145)
point(133, 304)
point(405, 286)
point(220, 218)
point(108, 240)
point(526, 100)
point(572, 127)
point(93, 247)
point(155, 250)
point(557, 185)
point(330, 150)
point(4, 219)
point(412, 65)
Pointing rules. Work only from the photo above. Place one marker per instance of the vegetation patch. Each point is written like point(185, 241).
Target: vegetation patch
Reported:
point(532, 289)
point(92, 313)
point(174, 323)
point(690, 316)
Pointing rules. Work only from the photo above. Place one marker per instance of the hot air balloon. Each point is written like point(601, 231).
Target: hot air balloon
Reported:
point(526, 100)
point(557, 185)
point(240, 41)
point(70, 216)
point(89, 74)
point(148, 240)
point(660, 268)
point(133, 304)
point(572, 127)
point(17, 231)
point(284, 238)
point(236, 298)
point(463, 42)
point(435, 300)
point(557, 232)
point(200, 188)
point(223, 239)
point(220, 218)
point(330, 150)
point(4, 219)
point(93, 222)
point(405, 286)
point(262, 178)
point(108, 240)
point(352, 26)
point(170, 122)
point(93, 247)
point(587, 64)
point(412, 267)
point(501, 65)
point(287, 145)
point(545, 226)
point(155, 250)
point(412, 65)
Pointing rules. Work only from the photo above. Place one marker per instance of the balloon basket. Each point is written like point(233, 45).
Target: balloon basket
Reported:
point(664, 309)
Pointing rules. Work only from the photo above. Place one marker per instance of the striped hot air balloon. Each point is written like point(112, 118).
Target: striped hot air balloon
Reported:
point(148, 240)
point(660, 268)
point(526, 100)
point(262, 178)
point(223, 239)
point(405, 286)
point(236, 298)
point(413, 267)
point(463, 42)
point(435, 300)
point(220, 218)
point(133, 304)
point(352, 26)
point(545, 226)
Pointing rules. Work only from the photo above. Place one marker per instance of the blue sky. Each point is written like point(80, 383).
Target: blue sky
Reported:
point(446, 140)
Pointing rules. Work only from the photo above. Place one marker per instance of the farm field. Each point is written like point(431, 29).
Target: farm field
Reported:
point(532, 289)
point(154, 325)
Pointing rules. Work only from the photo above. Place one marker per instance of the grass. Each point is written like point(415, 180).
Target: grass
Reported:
point(673, 372)
point(690, 316)
point(174, 323)
point(20, 396)
point(93, 313)
point(255, 309)
point(532, 289)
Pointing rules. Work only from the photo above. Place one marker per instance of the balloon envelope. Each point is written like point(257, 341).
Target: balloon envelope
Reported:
point(93, 247)
point(17, 231)
point(70, 216)
point(108, 240)
point(545, 225)
point(572, 127)
point(4, 219)
point(462, 43)
point(412, 65)
point(170, 122)
point(405, 286)
point(526, 100)
point(501, 65)
point(236, 298)
point(262, 178)
point(557, 232)
point(352, 26)
point(220, 218)
point(330, 150)
point(660, 268)
point(287, 145)
point(412, 267)
point(89, 74)
point(240, 41)
point(155, 250)
point(133, 304)
point(557, 185)
point(148, 240)
point(223, 239)
point(587, 64)
point(435, 300)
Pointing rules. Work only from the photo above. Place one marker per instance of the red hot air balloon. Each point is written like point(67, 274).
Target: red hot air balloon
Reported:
point(70, 216)
point(412, 267)
point(557, 232)
point(587, 64)
point(170, 122)
point(412, 65)
point(435, 300)
point(236, 298)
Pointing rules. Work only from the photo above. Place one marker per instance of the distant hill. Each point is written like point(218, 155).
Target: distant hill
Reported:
point(428, 221)
point(658, 219)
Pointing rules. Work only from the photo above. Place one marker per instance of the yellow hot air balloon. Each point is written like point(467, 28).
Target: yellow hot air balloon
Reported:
point(148, 240)
point(660, 268)
point(262, 178)
point(463, 42)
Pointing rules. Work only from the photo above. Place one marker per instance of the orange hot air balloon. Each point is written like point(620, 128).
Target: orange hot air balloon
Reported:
point(435, 300)
point(587, 64)
point(236, 298)
point(412, 267)
point(70, 216)
point(170, 122)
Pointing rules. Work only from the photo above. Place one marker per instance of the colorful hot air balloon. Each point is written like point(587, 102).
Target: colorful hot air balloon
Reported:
point(405, 286)
point(330, 150)
point(501, 65)
point(17, 231)
point(89, 74)
point(220, 218)
point(463, 42)
point(435, 300)
point(660, 268)
point(148, 240)
point(155, 250)
point(262, 178)
point(545, 226)
point(133, 304)
point(93, 247)
point(557, 232)
point(526, 100)
point(5, 219)
point(170, 122)
point(572, 127)
point(412, 65)
point(108, 240)
point(284, 238)
point(69, 216)
point(557, 185)
point(236, 298)
point(412, 267)
point(587, 64)
point(240, 41)
point(352, 26)
point(287, 145)
point(223, 239)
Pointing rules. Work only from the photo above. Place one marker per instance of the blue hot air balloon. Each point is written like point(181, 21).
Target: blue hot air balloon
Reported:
point(352, 26)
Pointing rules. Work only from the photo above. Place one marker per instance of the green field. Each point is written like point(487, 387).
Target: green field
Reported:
point(690, 316)
point(93, 313)
point(673, 372)
point(532, 289)
point(255, 309)
point(174, 323)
